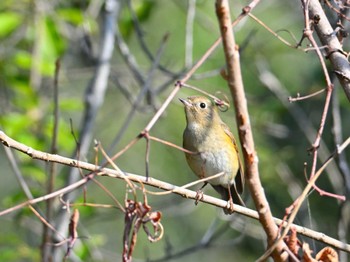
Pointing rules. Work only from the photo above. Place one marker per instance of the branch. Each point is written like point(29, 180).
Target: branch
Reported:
point(93, 99)
point(116, 173)
point(235, 83)
point(46, 238)
point(191, 11)
point(270, 80)
point(308, 34)
point(327, 36)
point(302, 197)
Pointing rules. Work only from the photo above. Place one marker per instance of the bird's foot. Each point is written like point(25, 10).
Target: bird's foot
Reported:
point(199, 196)
point(229, 209)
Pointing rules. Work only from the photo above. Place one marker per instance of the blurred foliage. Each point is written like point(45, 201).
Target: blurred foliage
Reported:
point(34, 34)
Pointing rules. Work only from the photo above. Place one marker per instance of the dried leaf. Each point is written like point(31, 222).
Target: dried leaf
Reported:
point(307, 257)
point(327, 254)
point(293, 242)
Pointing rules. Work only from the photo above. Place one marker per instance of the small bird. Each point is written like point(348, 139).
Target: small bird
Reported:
point(215, 149)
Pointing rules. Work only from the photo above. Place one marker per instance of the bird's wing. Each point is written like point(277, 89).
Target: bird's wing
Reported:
point(240, 176)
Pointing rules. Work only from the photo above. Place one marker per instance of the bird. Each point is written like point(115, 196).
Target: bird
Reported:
point(213, 149)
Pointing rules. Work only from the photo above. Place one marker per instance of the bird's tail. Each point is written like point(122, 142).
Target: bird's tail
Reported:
point(225, 194)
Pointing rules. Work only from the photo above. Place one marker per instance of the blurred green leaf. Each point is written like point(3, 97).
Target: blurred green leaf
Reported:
point(8, 22)
point(71, 15)
point(52, 46)
point(34, 172)
point(142, 10)
point(13, 248)
point(70, 104)
point(23, 59)
point(24, 127)
point(14, 199)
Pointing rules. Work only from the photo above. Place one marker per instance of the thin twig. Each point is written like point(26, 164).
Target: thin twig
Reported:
point(188, 75)
point(171, 145)
point(46, 236)
point(338, 137)
point(206, 93)
point(113, 173)
point(129, 58)
point(191, 11)
point(49, 196)
point(146, 88)
point(316, 144)
point(94, 98)
point(302, 197)
point(187, 185)
point(336, 55)
point(143, 44)
point(110, 161)
point(148, 150)
point(207, 240)
point(299, 97)
point(270, 30)
point(45, 222)
point(268, 78)
point(19, 176)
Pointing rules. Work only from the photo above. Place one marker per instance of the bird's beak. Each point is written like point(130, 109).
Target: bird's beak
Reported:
point(185, 102)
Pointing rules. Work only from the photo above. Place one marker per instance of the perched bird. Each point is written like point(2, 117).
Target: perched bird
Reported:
point(215, 149)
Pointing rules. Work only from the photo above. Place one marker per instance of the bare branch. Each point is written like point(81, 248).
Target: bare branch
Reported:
point(46, 238)
point(302, 198)
point(316, 144)
point(328, 38)
point(94, 98)
point(117, 173)
point(235, 83)
point(191, 11)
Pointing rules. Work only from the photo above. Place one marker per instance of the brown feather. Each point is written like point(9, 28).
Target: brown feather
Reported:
point(240, 179)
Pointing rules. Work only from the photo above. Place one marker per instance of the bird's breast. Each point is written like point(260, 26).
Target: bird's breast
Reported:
point(213, 155)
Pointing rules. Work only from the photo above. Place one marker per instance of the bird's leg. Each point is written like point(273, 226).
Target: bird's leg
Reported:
point(199, 195)
point(230, 206)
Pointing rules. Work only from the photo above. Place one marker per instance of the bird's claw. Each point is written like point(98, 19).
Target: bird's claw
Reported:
point(199, 196)
point(229, 209)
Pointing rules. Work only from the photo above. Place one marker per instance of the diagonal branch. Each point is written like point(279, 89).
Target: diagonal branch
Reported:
point(327, 36)
point(303, 196)
point(235, 83)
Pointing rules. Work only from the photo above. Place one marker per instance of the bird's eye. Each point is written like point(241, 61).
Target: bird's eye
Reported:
point(203, 105)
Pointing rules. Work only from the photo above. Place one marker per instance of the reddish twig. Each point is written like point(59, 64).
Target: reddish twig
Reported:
point(270, 30)
point(308, 34)
point(235, 84)
point(211, 49)
point(45, 222)
point(46, 236)
point(299, 97)
point(218, 101)
point(171, 144)
point(126, 148)
point(49, 196)
point(302, 197)
point(327, 36)
point(73, 233)
point(139, 214)
point(339, 13)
